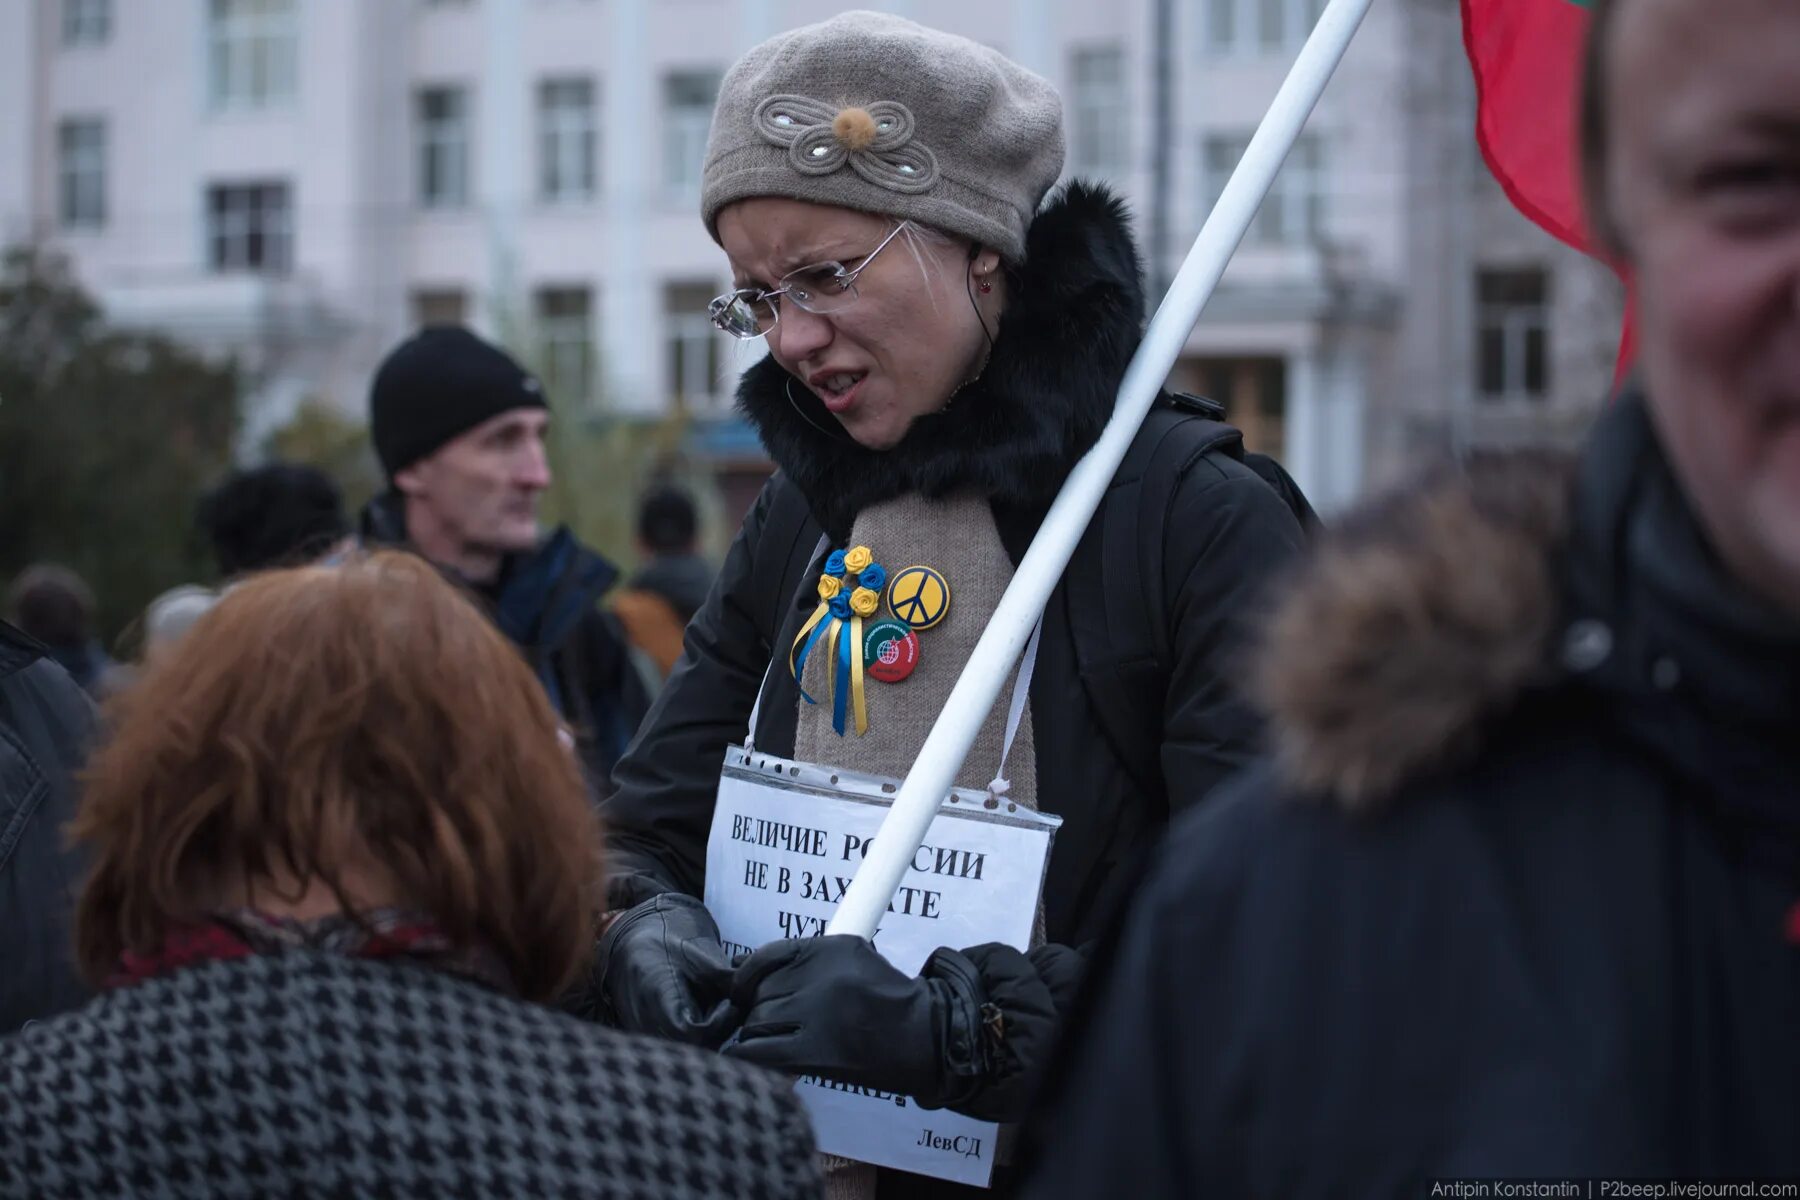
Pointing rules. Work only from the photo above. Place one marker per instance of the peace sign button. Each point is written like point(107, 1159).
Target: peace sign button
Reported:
point(919, 596)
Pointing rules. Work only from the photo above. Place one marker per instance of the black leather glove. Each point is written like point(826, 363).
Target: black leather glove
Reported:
point(662, 970)
point(833, 1006)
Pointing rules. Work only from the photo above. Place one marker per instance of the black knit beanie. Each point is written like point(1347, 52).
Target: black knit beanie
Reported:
point(438, 384)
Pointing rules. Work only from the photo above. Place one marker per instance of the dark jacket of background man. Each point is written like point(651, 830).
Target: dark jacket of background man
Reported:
point(1520, 896)
point(45, 723)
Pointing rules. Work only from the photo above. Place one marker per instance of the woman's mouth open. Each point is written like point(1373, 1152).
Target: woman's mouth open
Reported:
point(839, 389)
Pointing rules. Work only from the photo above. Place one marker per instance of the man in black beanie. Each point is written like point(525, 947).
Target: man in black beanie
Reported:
point(459, 428)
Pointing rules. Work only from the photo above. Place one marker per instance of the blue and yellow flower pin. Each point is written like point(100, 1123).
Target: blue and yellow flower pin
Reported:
point(850, 593)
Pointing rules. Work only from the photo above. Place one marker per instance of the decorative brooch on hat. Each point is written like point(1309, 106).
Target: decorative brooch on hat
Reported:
point(875, 141)
point(886, 650)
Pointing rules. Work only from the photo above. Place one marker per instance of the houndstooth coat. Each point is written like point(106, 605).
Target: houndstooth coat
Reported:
point(310, 1075)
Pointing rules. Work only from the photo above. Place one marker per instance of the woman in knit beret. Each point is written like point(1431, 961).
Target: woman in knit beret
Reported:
point(943, 346)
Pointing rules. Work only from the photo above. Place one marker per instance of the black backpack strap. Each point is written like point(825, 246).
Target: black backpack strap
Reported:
point(1266, 468)
point(1115, 590)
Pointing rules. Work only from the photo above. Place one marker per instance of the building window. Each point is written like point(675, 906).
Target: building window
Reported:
point(1259, 26)
point(250, 227)
point(443, 131)
point(566, 333)
point(692, 346)
point(1221, 24)
point(254, 51)
point(688, 99)
point(440, 306)
point(1100, 140)
point(81, 149)
point(86, 22)
point(568, 138)
point(1512, 332)
point(1293, 213)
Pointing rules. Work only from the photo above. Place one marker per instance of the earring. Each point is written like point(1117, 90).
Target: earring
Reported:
point(985, 286)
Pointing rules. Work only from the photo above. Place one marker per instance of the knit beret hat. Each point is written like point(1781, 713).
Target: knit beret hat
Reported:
point(437, 385)
point(873, 112)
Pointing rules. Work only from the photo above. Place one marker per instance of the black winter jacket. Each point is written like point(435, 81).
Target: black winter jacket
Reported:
point(547, 602)
point(1064, 342)
point(1520, 896)
point(46, 722)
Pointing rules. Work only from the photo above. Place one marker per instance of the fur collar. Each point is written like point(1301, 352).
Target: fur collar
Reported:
point(1073, 320)
point(1532, 586)
point(1414, 624)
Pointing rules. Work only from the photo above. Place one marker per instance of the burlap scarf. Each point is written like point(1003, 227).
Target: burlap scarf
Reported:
point(956, 537)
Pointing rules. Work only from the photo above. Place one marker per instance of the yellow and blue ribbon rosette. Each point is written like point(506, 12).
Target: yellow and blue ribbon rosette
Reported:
point(849, 593)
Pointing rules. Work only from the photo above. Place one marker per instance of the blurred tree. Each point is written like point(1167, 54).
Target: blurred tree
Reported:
point(602, 461)
point(320, 434)
point(107, 439)
point(599, 467)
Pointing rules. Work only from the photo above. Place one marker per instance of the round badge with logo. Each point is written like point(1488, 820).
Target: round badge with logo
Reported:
point(919, 596)
point(890, 650)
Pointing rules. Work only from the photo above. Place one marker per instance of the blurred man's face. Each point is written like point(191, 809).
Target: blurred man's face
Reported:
point(478, 495)
point(1704, 176)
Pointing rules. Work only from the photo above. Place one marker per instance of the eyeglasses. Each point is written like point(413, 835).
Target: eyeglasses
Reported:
point(825, 287)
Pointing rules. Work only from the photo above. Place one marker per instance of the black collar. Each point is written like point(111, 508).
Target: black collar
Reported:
point(1705, 674)
point(1074, 314)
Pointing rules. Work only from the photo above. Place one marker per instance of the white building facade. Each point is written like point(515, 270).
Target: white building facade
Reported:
point(301, 182)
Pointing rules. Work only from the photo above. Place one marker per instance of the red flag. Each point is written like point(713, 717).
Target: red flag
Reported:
point(1526, 55)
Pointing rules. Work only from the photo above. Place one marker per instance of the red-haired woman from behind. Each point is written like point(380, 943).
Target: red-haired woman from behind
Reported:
point(341, 858)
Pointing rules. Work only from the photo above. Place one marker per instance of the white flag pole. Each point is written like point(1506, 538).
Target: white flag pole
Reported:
point(934, 772)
